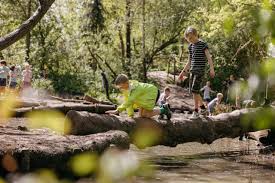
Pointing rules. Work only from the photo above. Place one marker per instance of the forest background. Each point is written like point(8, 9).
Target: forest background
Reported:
point(77, 40)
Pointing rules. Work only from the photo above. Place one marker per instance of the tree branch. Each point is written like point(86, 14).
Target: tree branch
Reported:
point(27, 26)
point(240, 48)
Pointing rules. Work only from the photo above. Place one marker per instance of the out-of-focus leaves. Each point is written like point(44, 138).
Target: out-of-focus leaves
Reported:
point(84, 164)
point(50, 119)
point(261, 119)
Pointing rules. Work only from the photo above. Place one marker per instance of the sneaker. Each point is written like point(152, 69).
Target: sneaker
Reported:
point(161, 116)
point(203, 112)
point(195, 115)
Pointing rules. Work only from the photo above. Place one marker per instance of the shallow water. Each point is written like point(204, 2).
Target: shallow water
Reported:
point(226, 160)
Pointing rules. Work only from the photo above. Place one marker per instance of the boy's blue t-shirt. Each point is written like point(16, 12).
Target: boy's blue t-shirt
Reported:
point(197, 57)
point(4, 72)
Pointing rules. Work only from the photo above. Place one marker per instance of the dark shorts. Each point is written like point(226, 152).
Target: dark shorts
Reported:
point(3, 82)
point(13, 84)
point(195, 83)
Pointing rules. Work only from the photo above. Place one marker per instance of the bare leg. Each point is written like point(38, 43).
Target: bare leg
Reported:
point(196, 100)
point(2, 90)
point(200, 100)
point(148, 114)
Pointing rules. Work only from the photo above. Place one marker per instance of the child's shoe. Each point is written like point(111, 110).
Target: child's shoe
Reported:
point(161, 116)
point(164, 109)
point(195, 115)
point(203, 112)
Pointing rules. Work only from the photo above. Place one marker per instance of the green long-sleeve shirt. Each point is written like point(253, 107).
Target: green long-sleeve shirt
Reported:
point(141, 95)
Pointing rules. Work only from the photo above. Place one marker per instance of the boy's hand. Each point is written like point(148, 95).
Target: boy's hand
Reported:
point(112, 112)
point(182, 76)
point(212, 73)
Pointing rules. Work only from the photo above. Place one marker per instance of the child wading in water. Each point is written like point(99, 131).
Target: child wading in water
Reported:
point(198, 53)
point(142, 95)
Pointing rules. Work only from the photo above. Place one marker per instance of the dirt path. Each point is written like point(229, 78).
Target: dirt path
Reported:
point(180, 96)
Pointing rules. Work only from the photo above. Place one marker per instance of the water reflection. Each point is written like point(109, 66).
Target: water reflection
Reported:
point(226, 160)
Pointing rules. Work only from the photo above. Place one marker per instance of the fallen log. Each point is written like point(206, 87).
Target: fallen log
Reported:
point(24, 150)
point(178, 130)
point(64, 108)
point(95, 101)
point(69, 100)
point(19, 103)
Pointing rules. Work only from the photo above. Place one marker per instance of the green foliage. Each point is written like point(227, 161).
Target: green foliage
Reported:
point(76, 39)
point(43, 84)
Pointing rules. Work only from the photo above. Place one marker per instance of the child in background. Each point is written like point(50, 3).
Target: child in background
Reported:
point(164, 99)
point(26, 76)
point(14, 75)
point(4, 72)
point(206, 92)
point(214, 103)
point(142, 95)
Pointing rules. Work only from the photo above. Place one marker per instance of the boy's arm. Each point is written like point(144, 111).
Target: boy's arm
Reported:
point(185, 69)
point(129, 103)
point(202, 88)
point(210, 62)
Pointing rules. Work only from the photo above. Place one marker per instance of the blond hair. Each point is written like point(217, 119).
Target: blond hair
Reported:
point(220, 95)
point(190, 30)
point(121, 79)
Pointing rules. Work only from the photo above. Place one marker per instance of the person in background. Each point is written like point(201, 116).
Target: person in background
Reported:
point(26, 76)
point(4, 72)
point(164, 99)
point(206, 93)
point(211, 106)
point(13, 76)
point(230, 83)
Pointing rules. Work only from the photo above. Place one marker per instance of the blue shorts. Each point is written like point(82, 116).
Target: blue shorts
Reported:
point(3, 82)
point(13, 84)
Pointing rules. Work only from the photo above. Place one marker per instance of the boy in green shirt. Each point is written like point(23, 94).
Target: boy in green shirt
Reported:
point(141, 95)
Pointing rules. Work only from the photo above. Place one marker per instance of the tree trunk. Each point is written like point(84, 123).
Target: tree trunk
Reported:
point(28, 36)
point(122, 48)
point(128, 37)
point(178, 130)
point(40, 148)
point(27, 26)
point(64, 108)
point(144, 65)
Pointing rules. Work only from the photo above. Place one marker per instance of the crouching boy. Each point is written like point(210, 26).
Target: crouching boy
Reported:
point(142, 95)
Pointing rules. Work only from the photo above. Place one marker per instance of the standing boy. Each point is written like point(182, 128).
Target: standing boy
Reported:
point(198, 53)
point(142, 95)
